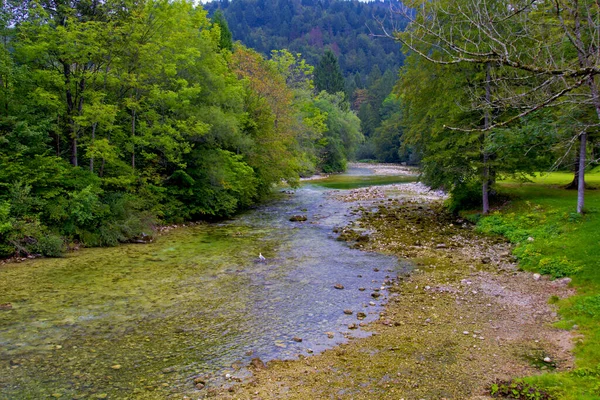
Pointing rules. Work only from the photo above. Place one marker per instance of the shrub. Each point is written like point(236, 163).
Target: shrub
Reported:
point(557, 267)
point(49, 245)
point(463, 197)
point(518, 389)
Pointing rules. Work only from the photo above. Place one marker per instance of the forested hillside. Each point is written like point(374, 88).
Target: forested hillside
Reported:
point(118, 115)
point(351, 30)
point(311, 26)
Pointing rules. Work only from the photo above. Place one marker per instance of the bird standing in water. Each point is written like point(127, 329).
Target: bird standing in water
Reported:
point(261, 257)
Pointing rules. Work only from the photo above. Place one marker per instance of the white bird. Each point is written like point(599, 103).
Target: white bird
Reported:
point(261, 257)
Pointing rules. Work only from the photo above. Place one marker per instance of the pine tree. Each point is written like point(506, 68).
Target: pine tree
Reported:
point(226, 41)
point(328, 75)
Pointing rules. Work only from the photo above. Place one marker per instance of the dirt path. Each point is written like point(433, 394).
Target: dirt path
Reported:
point(463, 318)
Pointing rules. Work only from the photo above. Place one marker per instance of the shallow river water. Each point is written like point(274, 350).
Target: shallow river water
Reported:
point(142, 321)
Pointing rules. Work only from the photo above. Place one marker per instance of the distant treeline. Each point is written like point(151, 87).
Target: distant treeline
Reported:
point(310, 26)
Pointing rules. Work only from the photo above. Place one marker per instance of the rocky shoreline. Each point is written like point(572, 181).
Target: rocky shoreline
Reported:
point(464, 318)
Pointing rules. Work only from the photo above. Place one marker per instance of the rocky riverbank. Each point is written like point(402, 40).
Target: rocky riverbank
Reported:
point(464, 318)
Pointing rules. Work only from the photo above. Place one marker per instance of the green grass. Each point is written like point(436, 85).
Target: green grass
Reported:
point(564, 244)
point(592, 178)
point(353, 182)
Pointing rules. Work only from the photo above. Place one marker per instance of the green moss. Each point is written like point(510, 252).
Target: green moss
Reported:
point(141, 307)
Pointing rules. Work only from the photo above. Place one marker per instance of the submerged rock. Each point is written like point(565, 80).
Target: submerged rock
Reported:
point(298, 218)
point(338, 286)
point(258, 363)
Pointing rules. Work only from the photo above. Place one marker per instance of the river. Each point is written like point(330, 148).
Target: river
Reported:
point(143, 320)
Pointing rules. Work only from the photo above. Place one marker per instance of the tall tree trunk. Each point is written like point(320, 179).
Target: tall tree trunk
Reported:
point(133, 139)
point(485, 176)
point(93, 138)
point(74, 147)
point(575, 182)
point(581, 180)
point(70, 110)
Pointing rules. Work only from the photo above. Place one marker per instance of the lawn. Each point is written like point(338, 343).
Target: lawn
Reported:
point(551, 238)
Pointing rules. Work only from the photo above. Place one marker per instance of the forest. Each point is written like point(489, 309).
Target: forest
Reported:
point(121, 117)
point(116, 116)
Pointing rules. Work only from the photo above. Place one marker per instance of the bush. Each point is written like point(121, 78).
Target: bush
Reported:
point(557, 267)
point(518, 389)
point(49, 245)
point(464, 196)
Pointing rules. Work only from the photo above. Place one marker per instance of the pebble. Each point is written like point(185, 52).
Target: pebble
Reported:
point(258, 363)
point(348, 311)
point(297, 339)
point(338, 286)
point(372, 303)
point(465, 332)
point(547, 359)
point(352, 326)
point(330, 335)
point(536, 277)
point(362, 289)
point(116, 366)
point(361, 315)
point(375, 294)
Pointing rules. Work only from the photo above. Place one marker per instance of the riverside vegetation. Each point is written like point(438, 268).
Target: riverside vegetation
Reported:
point(118, 116)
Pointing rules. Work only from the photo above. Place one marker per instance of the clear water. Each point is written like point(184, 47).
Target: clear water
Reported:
point(141, 321)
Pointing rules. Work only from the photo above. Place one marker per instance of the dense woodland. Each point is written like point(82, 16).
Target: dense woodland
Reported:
point(118, 115)
point(352, 31)
point(490, 91)
point(312, 26)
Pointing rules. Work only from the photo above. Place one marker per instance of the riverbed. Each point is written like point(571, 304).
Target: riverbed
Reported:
point(147, 320)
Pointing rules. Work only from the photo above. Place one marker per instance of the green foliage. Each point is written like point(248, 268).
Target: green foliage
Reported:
point(225, 39)
point(328, 76)
point(465, 196)
point(518, 389)
point(135, 113)
point(310, 26)
point(557, 267)
point(588, 306)
point(49, 245)
point(343, 135)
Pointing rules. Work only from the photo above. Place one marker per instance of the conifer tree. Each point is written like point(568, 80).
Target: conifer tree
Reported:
point(226, 41)
point(328, 76)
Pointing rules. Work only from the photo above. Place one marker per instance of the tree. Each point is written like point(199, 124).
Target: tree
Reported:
point(343, 135)
point(226, 39)
point(328, 76)
point(542, 53)
point(463, 162)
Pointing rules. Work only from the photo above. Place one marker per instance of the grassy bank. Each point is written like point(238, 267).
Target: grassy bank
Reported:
point(552, 239)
